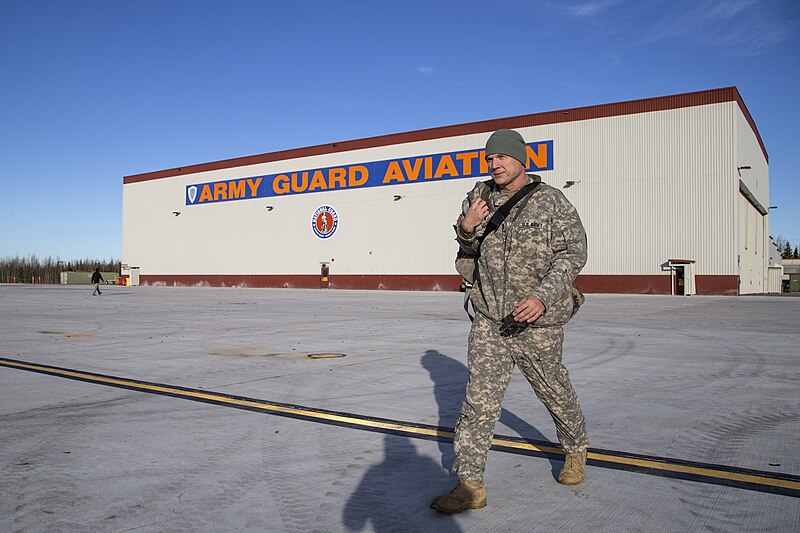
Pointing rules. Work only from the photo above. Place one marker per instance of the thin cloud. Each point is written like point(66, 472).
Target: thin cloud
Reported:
point(744, 27)
point(735, 27)
point(424, 70)
point(588, 9)
point(730, 8)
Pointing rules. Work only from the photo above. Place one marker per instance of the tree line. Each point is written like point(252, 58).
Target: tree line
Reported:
point(785, 249)
point(34, 270)
point(787, 252)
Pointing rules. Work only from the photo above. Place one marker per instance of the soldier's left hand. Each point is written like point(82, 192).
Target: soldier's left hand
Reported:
point(528, 309)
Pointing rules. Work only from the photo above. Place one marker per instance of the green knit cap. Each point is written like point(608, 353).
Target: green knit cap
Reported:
point(508, 142)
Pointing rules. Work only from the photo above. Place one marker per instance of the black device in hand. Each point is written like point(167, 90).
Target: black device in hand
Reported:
point(510, 327)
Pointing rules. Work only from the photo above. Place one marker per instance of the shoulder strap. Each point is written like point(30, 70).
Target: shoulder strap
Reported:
point(502, 212)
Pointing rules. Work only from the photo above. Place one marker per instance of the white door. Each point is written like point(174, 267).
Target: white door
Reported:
point(135, 276)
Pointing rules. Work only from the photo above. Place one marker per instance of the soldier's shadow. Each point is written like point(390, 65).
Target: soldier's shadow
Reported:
point(449, 378)
point(388, 498)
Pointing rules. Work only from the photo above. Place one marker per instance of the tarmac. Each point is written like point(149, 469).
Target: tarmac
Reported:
point(199, 409)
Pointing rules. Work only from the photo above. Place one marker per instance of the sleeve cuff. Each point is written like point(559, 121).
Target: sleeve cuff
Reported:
point(463, 234)
point(545, 301)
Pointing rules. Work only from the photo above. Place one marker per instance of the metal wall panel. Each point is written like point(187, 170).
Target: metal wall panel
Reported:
point(650, 187)
point(753, 268)
point(375, 235)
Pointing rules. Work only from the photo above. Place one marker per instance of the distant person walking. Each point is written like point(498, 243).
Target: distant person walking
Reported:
point(97, 277)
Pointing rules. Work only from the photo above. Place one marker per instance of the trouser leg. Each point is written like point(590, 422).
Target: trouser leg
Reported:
point(490, 367)
point(539, 356)
point(96, 288)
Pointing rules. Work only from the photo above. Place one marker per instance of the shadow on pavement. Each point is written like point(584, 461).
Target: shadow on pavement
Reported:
point(389, 496)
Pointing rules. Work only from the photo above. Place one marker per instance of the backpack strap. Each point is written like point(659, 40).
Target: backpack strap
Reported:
point(502, 212)
point(497, 218)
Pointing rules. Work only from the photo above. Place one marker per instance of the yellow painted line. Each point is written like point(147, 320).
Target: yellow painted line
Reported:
point(498, 441)
point(356, 420)
point(700, 471)
point(232, 401)
point(660, 465)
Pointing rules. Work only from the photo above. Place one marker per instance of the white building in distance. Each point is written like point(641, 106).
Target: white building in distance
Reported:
point(673, 191)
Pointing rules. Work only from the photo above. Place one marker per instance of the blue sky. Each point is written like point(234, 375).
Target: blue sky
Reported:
point(92, 91)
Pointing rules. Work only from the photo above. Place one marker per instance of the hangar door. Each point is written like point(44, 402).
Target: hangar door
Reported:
point(752, 248)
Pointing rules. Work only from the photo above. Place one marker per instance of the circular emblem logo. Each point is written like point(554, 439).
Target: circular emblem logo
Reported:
point(324, 221)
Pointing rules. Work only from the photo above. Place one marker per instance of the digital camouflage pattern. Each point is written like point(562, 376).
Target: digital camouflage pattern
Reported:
point(491, 359)
point(537, 251)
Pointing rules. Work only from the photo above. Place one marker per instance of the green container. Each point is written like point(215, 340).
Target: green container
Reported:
point(85, 278)
point(794, 282)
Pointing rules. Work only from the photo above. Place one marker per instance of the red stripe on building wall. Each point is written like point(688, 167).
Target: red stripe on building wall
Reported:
point(710, 285)
point(633, 284)
point(655, 284)
point(662, 103)
point(309, 281)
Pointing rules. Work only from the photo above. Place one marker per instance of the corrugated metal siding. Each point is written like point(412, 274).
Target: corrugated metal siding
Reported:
point(753, 269)
point(753, 226)
point(376, 234)
point(653, 186)
point(775, 277)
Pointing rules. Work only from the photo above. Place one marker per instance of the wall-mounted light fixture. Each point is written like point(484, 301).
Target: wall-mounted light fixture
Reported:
point(570, 183)
point(270, 208)
point(398, 197)
point(176, 213)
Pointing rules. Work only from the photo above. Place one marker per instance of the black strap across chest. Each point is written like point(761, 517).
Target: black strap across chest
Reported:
point(502, 212)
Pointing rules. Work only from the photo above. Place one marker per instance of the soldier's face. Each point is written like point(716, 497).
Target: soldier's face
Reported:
point(507, 172)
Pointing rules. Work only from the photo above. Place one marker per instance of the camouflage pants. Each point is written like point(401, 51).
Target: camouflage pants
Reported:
point(491, 359)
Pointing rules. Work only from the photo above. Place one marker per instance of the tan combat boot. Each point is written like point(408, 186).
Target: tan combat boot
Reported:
point(573, 471)
point(465, 495)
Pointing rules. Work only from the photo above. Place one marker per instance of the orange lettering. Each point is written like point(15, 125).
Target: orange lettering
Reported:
point(446, 166)
point(539, 158)
point(220, 191)
point(236, 189)
point(428, 167)
point(303, 185)
point(466, 162)
point(393, 173)
point(205, 194)
point(354, 180)
point(484, 168)
point(317, 181)
point(412, 172)
point(336, 178)
point(280, 184)
point(253, 184)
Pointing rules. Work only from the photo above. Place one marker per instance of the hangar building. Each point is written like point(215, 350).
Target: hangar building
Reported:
point(673, 191)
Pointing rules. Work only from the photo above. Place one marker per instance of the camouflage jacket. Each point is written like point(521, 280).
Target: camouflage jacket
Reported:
point(537, 251)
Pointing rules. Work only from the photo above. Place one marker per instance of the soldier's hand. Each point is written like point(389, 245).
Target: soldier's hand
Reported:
point(528, 309)
point(477, 213)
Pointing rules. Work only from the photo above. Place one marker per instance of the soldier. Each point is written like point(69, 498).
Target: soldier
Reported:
point(522, 292)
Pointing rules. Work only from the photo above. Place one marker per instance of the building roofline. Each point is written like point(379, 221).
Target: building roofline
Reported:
point(631, 107)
